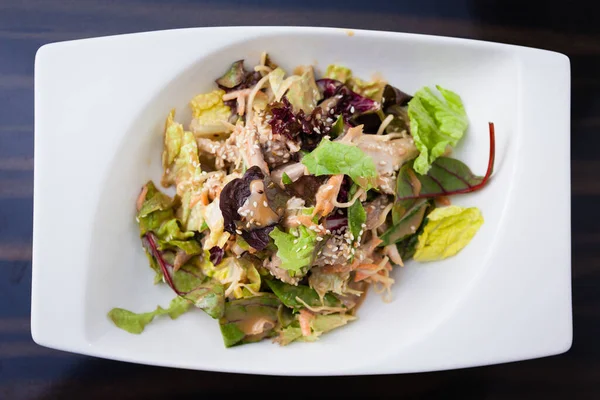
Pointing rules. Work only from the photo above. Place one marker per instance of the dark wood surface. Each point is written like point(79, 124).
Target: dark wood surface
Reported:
point(28, 371)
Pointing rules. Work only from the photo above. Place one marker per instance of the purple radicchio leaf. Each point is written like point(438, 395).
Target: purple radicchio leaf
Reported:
point(310, 128)
point(258, 238)
point(343, 101)
point(233, 196)
point(216, 255)
point(395, 96)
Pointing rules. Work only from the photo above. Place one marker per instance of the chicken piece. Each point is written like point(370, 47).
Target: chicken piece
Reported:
point(255, 210)
point(293, 170)
point(374, 210)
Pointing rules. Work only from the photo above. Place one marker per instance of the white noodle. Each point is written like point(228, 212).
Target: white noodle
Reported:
point(251, 97)
point(384, 124)
point(358, 193)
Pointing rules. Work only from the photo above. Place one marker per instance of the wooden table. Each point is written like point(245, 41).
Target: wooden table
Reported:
point(33, 372)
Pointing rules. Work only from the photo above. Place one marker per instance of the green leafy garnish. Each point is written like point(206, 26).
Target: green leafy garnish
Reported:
point(333, 158)
point(435, 123)
point(135, 323)
point(295, 249)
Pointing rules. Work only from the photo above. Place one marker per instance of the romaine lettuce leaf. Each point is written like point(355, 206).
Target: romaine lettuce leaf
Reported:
point(435, 123)
point(371, 89)
point(157, 215)
point(447, 231)
point(303, 93)
point(333, 158)
point(238, 275)
point(338, 72)
point(295, 249)
point(135, 323)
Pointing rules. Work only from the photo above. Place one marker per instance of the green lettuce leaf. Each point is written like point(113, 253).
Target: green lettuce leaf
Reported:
point(323, 282)
point(249, 320)
point(447, 231)
point(303, 93)
point(435, 123)
point(373, 89)
point(232, 272)
point(338, 72)
point(333, 158)
point(295, 249)
point(135, 323)
point(289, 295)
point(157, 215)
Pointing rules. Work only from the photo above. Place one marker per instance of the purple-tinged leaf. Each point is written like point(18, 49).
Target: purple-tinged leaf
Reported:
point(216, 255)
point(447, 176)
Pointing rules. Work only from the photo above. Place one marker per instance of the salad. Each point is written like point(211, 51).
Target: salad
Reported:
point(295, 195)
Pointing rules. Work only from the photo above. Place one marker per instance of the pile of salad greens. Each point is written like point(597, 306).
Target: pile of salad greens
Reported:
point(295, 195)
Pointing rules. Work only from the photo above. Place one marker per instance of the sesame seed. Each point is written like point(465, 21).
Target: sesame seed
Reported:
point(319, 238)
point(265, 203)
point(238, 231)
point(363, 226)
point(335, 248)
point(352, 109)
point(296, 241)
point(382, 162)
point(255, 204)
point(412, 228)
point(304, 247)
point(252, 213)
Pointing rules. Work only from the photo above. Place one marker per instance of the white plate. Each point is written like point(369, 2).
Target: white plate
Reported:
point(100, 105)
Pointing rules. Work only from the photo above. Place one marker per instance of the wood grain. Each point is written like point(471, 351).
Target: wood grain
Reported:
point(28, 371)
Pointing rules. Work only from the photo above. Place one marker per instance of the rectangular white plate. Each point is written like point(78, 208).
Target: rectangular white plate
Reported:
point(100, 105)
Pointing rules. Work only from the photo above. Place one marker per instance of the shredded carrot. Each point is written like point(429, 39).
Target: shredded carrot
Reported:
point(141, 197)
point(305, 318)
point(327, 195)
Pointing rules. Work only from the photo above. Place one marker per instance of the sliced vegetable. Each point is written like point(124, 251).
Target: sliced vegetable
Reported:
point(447, 231)
point(447, 176)
point(333, 158)
point(435, 123)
